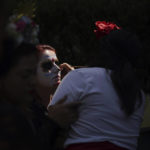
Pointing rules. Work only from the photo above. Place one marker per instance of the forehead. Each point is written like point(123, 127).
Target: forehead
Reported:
point(48, 54)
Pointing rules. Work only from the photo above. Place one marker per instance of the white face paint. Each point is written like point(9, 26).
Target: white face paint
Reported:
point(48, 73)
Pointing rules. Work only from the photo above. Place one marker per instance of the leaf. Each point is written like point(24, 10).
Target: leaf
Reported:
point(26, 8)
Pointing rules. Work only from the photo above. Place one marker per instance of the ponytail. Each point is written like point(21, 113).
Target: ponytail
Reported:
point(127, 87)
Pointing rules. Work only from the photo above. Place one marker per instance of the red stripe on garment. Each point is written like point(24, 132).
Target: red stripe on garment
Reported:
point(95, 146)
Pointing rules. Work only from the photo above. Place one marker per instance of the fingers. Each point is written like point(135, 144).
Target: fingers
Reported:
point(66, 66)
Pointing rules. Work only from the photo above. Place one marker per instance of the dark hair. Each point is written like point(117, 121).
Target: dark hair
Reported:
point(11, 55)
point(120, 51)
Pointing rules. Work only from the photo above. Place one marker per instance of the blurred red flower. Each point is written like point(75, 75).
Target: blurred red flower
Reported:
point(103, 28)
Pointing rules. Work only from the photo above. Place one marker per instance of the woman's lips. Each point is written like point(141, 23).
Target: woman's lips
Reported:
point(57, 77)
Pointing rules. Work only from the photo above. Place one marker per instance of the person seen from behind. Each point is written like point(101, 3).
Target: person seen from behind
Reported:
point(109, 90)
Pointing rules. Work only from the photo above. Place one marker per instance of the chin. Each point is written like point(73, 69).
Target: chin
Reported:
point(56, 85)
point(58, 82)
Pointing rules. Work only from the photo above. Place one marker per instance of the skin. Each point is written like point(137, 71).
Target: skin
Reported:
point(19, 83)
point(48, 72)
point(70, 111)
point(49, 77)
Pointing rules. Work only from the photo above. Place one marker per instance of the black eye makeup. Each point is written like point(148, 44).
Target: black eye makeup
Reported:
point(57, 63)
point(47, 65)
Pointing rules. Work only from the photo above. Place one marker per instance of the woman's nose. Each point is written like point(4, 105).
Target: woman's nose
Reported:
point(57, 68)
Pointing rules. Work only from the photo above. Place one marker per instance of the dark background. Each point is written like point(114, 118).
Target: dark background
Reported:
point(68, 25)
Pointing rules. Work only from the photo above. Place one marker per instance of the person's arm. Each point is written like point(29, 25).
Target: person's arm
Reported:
point(64, 105)
point(72, 87)
point(58, 120)
point(66, 100)
point(63, 114)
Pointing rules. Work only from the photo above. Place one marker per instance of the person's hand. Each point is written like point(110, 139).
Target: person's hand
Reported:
point(65, 68)
point(64, 114)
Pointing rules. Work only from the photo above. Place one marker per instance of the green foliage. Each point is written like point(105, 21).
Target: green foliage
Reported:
point(25, 8)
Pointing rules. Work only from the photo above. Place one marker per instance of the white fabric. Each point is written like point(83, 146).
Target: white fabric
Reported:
point(101, 118)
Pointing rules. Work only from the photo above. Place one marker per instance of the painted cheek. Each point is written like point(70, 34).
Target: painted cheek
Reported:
point(45, 78)
point(55, 70)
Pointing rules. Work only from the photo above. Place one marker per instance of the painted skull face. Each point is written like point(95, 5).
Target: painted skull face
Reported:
point(48, 72)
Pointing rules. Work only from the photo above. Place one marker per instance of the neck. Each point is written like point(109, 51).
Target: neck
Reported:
point(44, 95)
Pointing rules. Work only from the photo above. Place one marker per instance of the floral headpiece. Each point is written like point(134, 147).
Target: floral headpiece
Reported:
point(22, 29)
point(103, 28)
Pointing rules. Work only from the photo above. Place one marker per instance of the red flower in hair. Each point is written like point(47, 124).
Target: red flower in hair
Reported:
point(103, 28)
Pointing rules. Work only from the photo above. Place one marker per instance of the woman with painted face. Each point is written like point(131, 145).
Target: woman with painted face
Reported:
point(48, 78)
point(48, 73)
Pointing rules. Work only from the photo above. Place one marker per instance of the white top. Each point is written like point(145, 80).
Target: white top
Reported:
point(101, 117)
